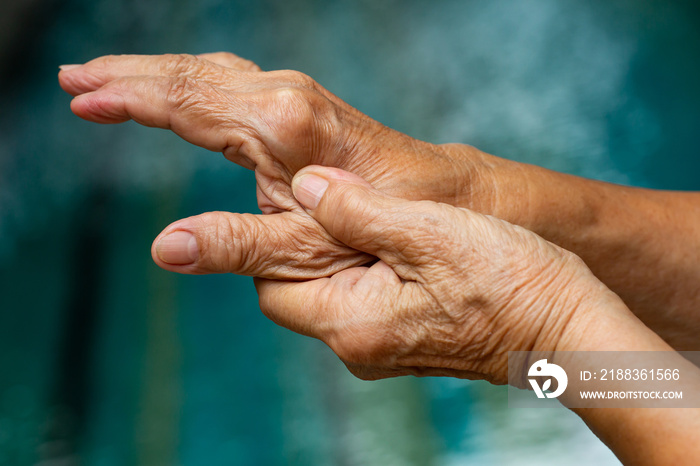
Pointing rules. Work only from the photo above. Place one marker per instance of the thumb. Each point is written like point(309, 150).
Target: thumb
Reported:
point(364, 218)
point(256, 245)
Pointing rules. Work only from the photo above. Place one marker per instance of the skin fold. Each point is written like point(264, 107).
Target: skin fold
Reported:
point(407, 257)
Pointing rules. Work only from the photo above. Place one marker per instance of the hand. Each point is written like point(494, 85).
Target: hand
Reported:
point(452, 292)
point(274, 123)
point(279, 122)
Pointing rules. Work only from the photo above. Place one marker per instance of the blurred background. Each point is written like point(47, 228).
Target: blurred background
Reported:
point(107, 360)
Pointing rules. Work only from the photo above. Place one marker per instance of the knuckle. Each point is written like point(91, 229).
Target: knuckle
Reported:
point(225, 246)
point(361, 220)
point(300, 113)
point(106, 61)
point(295, 100)
point(249, 65)
point(240, 243)
point(182, 64)
point(295, 110)
point(105, 65)
point(242, 63)
point(222, 57)
point(234, 61)
point(295, 78)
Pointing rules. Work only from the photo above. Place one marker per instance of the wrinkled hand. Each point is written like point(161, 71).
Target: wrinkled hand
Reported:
point(274, 123)
point(452, 292)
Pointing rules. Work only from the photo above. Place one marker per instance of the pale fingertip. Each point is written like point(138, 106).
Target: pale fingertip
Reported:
point(178, 248)
point(100, 107)
point(308, 189)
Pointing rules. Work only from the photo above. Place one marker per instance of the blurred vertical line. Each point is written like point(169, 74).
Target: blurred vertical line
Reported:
point(69, 400)
point(335, 400)
point(158, 423)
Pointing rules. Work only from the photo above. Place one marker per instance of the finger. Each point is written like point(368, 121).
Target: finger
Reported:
point(231, 60)
point(218, 68)
point(351, 210)
point(302, 307)
point(202, 114)
point(98, 72)
point(335, 309)
point(197, 112)
point(279, 246)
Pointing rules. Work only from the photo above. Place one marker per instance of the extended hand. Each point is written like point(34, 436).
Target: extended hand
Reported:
point(274, 123)
point(278, 122)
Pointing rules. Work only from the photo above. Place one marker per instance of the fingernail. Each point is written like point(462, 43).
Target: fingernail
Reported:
point(309, 189)
point(178, 248)
point(67, 67)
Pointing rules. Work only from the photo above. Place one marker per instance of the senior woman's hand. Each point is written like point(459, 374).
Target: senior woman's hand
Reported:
point(274, 123)
point(278, 122)
point(451, 293)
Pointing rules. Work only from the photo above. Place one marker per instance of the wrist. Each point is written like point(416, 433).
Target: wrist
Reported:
point(495, 186)
point(602, 322)
point(596, 326)
point(541, 200)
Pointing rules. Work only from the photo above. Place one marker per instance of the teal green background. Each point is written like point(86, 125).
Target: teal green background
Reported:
point(107, 360)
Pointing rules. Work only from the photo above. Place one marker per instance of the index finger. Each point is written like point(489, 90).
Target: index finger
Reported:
point(195, 111)
point(96, 73)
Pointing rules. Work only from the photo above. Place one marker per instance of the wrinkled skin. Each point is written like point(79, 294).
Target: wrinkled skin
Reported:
point(274, 123)
point(453, 290)
point(450, 291)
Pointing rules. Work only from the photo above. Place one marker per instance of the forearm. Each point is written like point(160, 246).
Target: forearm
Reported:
point(647, 436)
point(643, 244)
point(640, 436)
